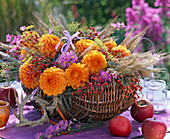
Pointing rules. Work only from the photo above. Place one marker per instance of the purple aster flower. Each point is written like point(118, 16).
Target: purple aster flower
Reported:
point(70, 122)
point(65, 125)
point(56, 128)
point(14, 40)
point(68, 58)
point(49, 130)
point(6, 72)
point(14, 54)
point(77, 126)
point(38, 135)
point(21, 57)
point(60, 123)
point(105, 75)
point(23, 28)
point(74, 57)
point(49, 135)
point(13, 49)
point(18, 40)
point(50, 31)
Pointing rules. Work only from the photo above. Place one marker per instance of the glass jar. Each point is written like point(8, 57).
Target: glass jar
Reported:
point(4, 113)
point(156, 93)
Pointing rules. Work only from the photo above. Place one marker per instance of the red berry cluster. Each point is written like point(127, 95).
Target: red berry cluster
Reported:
point(32, 72)
point(41, 63)
point(104, 53)
point(118, 53)
point(29, 40)
point(96, 85)
point(92, 34)
point(131, 87)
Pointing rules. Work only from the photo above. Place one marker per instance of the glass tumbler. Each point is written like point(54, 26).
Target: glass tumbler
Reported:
point(156, 93)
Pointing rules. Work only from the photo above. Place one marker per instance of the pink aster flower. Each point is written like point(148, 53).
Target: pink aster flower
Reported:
point(38, 135)
point(118, 25)
point(13, 49)
point(23, 28)
point(114, 75)
point(56, 128)
point(50, 31)
point(48, 132)
point(68, 58)
point(105, 75)
point(9, 38)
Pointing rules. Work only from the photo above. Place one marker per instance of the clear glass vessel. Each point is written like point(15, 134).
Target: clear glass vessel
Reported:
point(156, 93)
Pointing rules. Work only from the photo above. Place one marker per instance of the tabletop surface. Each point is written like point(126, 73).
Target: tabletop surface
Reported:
point(26, 132)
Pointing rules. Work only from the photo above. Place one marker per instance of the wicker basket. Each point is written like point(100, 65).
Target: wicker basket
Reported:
point(90, 104)
point(95, 105)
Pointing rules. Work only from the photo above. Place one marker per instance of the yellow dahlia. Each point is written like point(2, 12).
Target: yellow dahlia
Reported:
point(120, 51)
point(29, 39)
point(28, 76)
point(110, 44)
point(47, 44)
point(83, 44)
point(76, 75)
point(94, 61)
point(52, 81)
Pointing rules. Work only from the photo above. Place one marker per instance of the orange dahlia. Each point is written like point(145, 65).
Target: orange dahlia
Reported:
point(110, 44)
point(120, 51)
point(47, 44)
point(94, 61)
point(52, 81)
point(76, 75)
point(29, 39)
point(83, 44)
point(28, 76)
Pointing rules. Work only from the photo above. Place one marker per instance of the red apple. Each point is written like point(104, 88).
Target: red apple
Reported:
point(142, 110)
point(120, 126)
point(153, 129)
point(7, 94)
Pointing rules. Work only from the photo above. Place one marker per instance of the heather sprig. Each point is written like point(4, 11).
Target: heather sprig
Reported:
point(66, 127)
point(13, 39)
point(140, 16)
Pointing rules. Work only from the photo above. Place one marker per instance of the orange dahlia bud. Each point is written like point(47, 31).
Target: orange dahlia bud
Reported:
point(52, 81)
point(47, 44)
point(83, 44)
point(120, 51)
point(76, 75)
point(94, 61)
point(110, 44)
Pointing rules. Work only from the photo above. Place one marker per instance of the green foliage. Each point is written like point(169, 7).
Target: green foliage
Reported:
point(13, 14)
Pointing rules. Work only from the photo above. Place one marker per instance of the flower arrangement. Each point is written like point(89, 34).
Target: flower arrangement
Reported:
point(69, 62)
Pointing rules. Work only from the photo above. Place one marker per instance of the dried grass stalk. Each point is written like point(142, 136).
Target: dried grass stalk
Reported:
point(138, 63)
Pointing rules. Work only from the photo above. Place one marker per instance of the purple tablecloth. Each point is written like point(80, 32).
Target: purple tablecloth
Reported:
point(13, 132)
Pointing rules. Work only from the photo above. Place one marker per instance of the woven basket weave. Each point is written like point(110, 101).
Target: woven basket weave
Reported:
point(97, 106)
